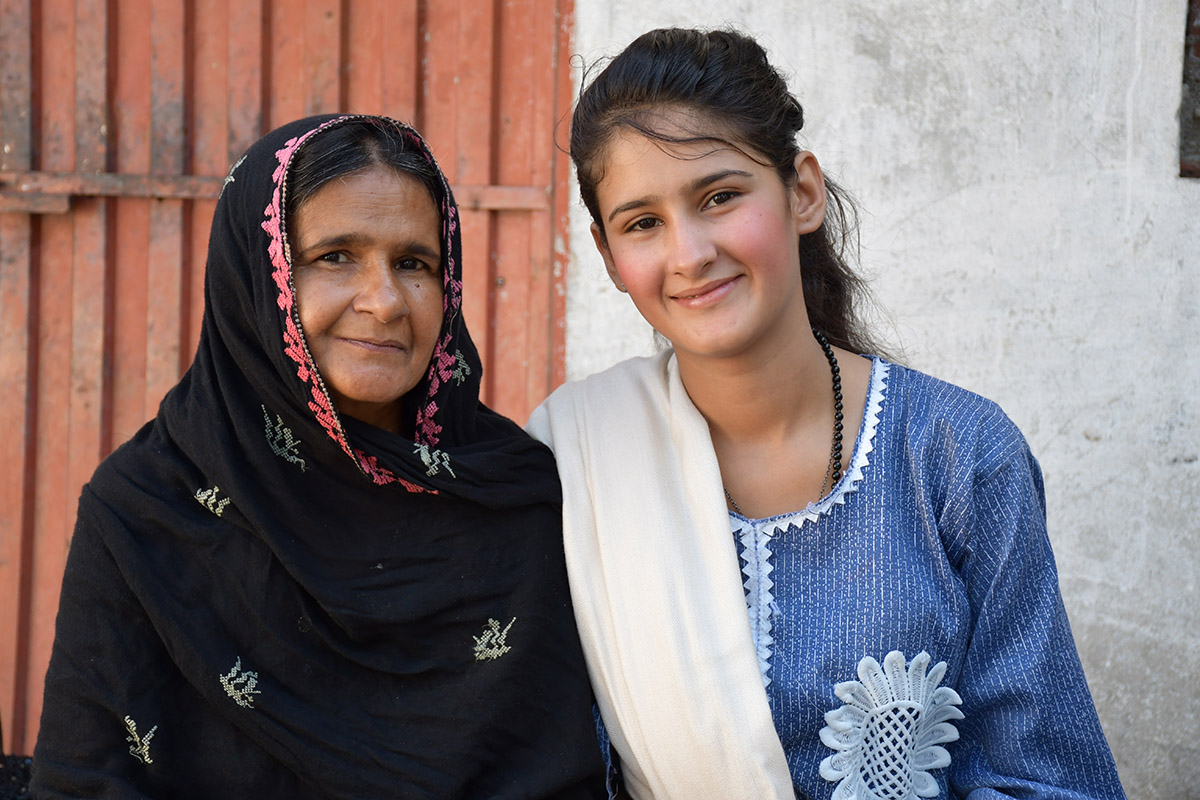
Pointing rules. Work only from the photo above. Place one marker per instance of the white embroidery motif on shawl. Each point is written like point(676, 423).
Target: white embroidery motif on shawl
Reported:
point(229, 178)
point(283, 442)
point(239, 685)
point(434, 460)
point(461, 368)
point(139, 746)
point(208, 499)
point(492, 644)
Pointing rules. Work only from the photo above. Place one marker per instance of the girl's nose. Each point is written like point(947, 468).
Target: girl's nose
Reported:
point(380, 291)
point(692, 249)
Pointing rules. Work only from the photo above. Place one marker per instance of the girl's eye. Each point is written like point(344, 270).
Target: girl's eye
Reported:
point(643, 224)
point(721, 198)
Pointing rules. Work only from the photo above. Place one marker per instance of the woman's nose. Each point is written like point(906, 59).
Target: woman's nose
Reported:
point(380, 291)
point(692, 248)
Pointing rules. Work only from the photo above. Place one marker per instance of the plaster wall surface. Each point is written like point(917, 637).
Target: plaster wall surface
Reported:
point(1029, 239)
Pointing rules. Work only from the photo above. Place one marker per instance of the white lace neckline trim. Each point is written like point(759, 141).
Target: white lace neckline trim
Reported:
point(852, 477)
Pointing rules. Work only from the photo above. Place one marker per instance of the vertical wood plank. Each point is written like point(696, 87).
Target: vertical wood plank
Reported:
point(132, 228)
point(166, 252)
point(288, 83)
point(515, 137)
point(322, 56)
point(365, 56)
point(54, 65)
point(17, 382)
point(248, 60)
point(399, 65)
point(561, 202)
point(218, 43)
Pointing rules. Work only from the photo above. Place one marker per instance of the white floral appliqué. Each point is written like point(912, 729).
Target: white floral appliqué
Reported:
point(239, 684)
point(888, 733)
point(491, 645)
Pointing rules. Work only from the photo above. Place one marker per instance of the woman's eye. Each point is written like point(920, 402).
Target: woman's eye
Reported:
point(643, 224)
point(408, 264)
point(334, 258)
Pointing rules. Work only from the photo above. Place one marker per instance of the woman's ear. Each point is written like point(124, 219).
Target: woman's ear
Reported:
point(606, 254)
point(808, 193)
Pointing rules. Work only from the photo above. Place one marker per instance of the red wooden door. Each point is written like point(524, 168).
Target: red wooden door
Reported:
point(118, 121)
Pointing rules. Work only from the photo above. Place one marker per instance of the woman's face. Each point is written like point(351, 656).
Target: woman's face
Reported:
point(705, 241)
point(366, 261)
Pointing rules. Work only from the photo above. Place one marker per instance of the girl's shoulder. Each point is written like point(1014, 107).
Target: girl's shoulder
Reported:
point(936, 414)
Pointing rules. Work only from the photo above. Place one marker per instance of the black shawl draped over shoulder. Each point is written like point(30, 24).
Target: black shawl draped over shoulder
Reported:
point(266, 599)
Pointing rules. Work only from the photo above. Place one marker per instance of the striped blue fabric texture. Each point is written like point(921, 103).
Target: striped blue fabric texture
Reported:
point(934, 542)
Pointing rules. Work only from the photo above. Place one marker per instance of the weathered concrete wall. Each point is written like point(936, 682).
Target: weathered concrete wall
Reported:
point(1029, 238)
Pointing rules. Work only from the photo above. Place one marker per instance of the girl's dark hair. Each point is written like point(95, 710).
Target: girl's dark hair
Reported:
point(352, 146)
point(724, 78)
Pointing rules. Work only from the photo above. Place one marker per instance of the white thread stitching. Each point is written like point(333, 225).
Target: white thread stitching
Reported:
point(239, 685)
point(208, 499)
point(140, 745)
point(492, 644)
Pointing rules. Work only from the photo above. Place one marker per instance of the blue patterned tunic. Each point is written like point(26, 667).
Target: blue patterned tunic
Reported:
point(934, 542)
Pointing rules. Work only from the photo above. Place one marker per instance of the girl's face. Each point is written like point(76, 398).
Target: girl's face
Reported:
point(367, 268)
point(706, 240)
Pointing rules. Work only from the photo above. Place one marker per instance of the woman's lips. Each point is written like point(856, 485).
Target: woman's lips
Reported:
point(375, 345)
point(706, 294)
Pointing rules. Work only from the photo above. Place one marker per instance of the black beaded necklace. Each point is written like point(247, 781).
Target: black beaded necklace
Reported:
point(834, 469)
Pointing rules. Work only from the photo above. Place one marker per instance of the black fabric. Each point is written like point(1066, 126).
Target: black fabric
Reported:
point(265, 599)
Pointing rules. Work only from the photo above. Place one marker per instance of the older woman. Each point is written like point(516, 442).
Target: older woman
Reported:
point(325, 569)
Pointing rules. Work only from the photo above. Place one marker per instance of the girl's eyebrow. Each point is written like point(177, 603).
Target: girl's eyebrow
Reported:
point(694, 186)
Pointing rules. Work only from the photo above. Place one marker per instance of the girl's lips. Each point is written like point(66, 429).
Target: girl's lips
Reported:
point(706, 295)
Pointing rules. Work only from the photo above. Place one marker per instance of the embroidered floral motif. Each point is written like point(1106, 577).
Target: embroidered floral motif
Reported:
point(492, 644)
point(139, 746)
point(434, 460)
point(461, 368)
point(208, 499)
point(888, 733)
point(283, 442)
point(239, 684)
point(229, 178)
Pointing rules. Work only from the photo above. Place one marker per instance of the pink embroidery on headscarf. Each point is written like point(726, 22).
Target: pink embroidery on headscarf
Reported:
point(293, 342)
point(383, 476)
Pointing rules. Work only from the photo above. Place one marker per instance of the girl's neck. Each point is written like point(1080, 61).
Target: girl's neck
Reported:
point(764, 393)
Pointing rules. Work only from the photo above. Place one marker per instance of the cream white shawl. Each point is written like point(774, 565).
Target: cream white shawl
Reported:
point(657, 588)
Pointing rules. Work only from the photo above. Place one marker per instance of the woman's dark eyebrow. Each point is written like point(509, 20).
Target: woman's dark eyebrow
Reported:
point(694, 186)
point(350, 239)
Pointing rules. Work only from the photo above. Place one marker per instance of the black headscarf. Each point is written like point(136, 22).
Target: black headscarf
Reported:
point(267, 599)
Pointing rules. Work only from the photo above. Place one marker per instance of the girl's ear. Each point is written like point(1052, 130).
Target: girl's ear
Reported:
point(606, 254)
point(808, 193)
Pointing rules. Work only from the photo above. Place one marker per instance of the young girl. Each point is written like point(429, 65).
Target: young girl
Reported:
point(882, 532)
